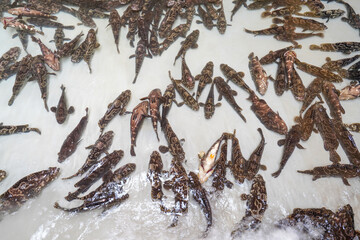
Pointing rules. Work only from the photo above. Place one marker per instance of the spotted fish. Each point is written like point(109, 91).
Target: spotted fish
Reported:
point(61, 111)
point(8, 130)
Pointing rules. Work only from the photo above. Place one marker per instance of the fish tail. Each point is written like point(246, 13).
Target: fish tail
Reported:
point(117, 48)
point(240, 114)
point(319, 35)
point(45, 104)
point(71, 196)
point(75, 175)
point(305, 171)
point(132, 150)
point(277, 173)
point(11, 101)
point(36, 130)
point(57, 206)
point(136, 75)
point(314, 47)
point(334, 156)
point(34, 39)
point(248, 31)
point(265, 14)
point(277, 20)
point(53, 17)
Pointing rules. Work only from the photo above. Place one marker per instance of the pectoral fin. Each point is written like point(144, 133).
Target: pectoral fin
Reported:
point(345, 181)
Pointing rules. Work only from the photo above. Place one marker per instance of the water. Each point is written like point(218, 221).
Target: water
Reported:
point(139, 217)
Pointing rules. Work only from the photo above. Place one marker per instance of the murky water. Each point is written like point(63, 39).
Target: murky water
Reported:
point(139, 217)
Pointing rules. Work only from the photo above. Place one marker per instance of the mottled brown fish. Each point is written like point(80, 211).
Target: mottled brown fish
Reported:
point(272, 56)
point(221, 23)
point(68, 48)
point(169, 19)
point(312, 91)
point(285, 11)
point(187, 78)
point(292, 36)
point(23, 37)
point(186, 96)
point(61, 111)
point(307, 123)
point(238, 5)
point(353, 19)
point(43, 22)
point(137, 117)
point(204, 78)
point(19, 24)
point(289, 58)
point(155, 100)
point(266, 115)
point(72, 140)
point(298, 89)
point(27, 12)
point(238, 163)
point(8, 130)
point(304, 23)
point(115, 23)
point(225, 90)
point(273, 30)
point(101, 145)
point(209, 105)
point(140, 54)
point(175, 148)
point(350, 92)
point(59, 38)
point(347, 142)
point(337, 65)
point(154, 174)
point(219, 176)
point(325, 14)
point(331, 96)
point(280, 84)
point(344, 171)
point(95, 173)
point(91, 45)
point(258, 74)
point(114, 108)
point(40, 73)
point(26, 188)
point(9, 57)
point(326, 128)
point(291, 141)
point(318, 71)
point(50, 58)
point(235, 77)
point(189, 42)
point(344, 47)
point(9, 71)
point(199, 194)
point(253, 164)
point(22, 76)
point(168, 98)
point(173, 36)
point(256, 206)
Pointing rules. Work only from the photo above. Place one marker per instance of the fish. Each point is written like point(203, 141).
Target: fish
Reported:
point(115, 23)
point(272, 56)
point(155, 100)
point(350, 92)
point(344, 47)
point(40, 72)
point(219, 175)
point(258, 74)
point(266, 115)
point(118, 178)
point(22, 76)
point(26, 188)
point(27, 12)
point(213, 12)
point(291, 36)
point(187, 78)
point(175, 148)
point(326, 128)
point(96, 172)
point(189, 42)
point(337, 65)
point(209, 106)
point(43, 22)
point(204, 78)
point(235, 77)
point(2, 175)
point(315, 5)
point(304, 23)
point(140, 54)
point(307, 123)
point(325, 14)
point(318, 72)
point(344, 171)
point(221, 23)
point(238, 163)
point(205, 17)
point(173, 36)
point(84, 17)
point(8, 130)
point(208, 160)
point(280, 84)
point(49, 7)
point(253, 163)
point(71, 142)
point(179, 184)
point(259, 4)
point(225, 90)
point(256, 203)
point(154, 44)
point(347, 142)
point(186, 96)
point(9, 57)
point(68, 48)
point(118, 106)
point(137, 117)
point(354, 127)
point(61, 111)
point(169, 19)
point(102, 144)
point(199, 194)
point(98, 13)
point(19, 24)
point(78, 54)
point(273, 30)
point(24, 38)
point(298, 89)
point(238, 5)
point(312, 91)
point(91, 45)
point(50, 58)
point(154, 174)
point(353, 19)
point(168, 98)
point(59, 38)
point(285, 11)
point(331, 96)
point(289, 58)
point(291, 141)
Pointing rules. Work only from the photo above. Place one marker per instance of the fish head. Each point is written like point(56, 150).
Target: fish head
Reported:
point(46, 176)
point(124, 171)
